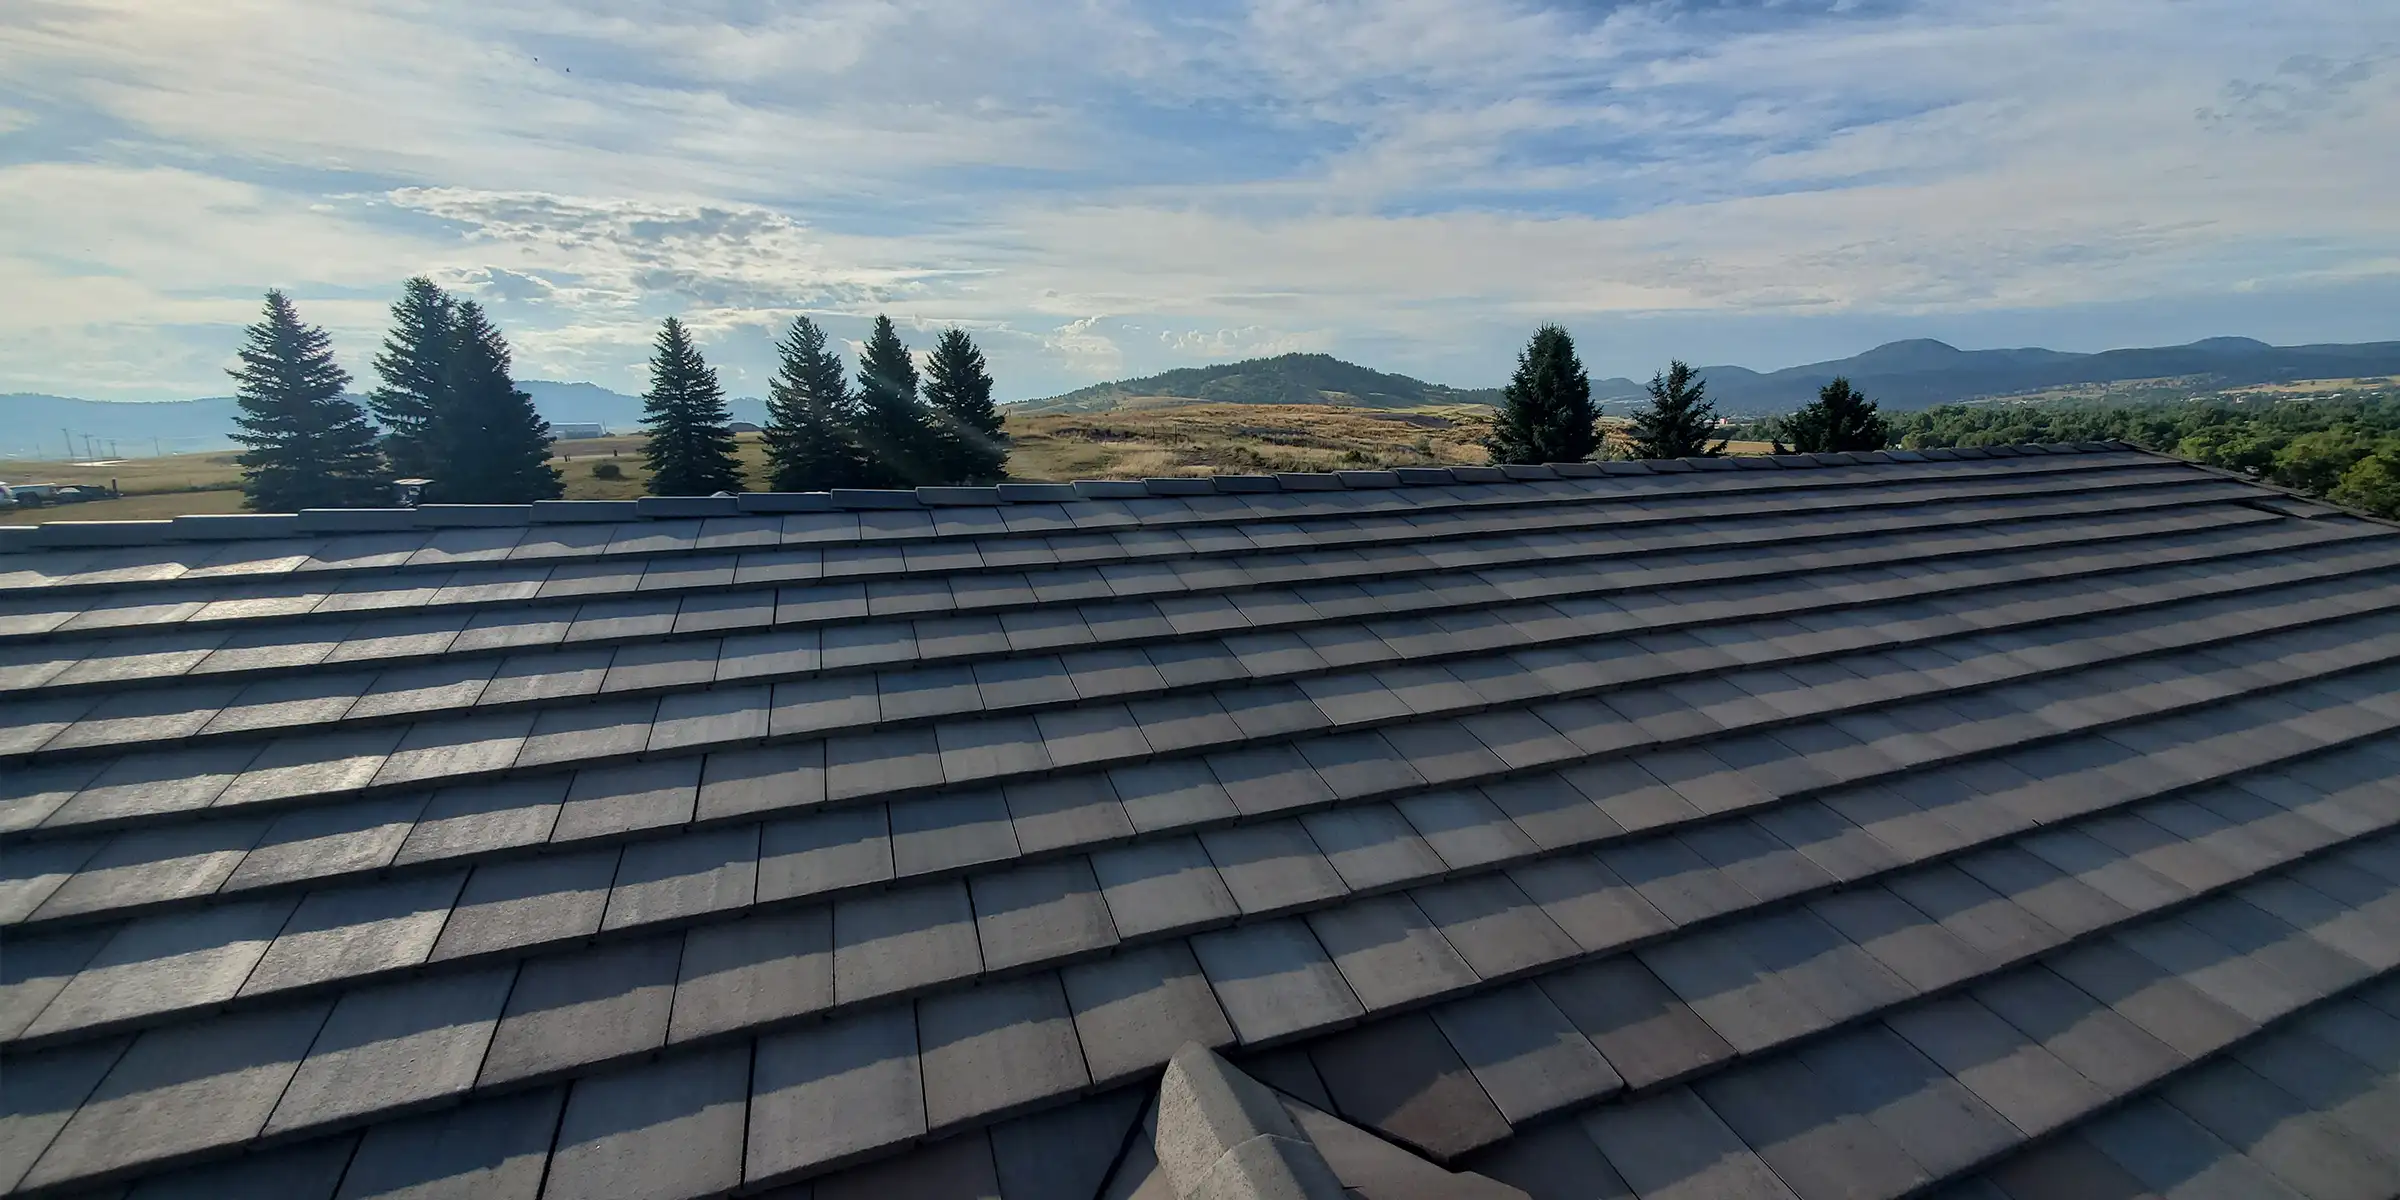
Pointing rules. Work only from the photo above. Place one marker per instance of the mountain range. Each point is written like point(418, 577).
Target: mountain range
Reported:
point(1898, 375)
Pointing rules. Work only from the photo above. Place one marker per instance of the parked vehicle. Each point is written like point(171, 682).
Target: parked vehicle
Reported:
point(8, 499)
point(77, 493)
point(34, 495)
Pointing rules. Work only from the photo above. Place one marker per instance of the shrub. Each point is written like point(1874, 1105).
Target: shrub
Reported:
point(607, 470)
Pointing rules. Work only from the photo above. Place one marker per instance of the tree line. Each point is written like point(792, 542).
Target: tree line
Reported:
point(1547, 414)
point(446, 408)
point(2345, 449)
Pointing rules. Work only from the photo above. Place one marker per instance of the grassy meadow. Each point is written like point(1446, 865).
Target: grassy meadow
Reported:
point(1129, 443)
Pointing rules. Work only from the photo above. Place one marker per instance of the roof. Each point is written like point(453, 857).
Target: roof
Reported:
point(1850, 825)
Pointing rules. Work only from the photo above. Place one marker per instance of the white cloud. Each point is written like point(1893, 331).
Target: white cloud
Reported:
point(1425, 174)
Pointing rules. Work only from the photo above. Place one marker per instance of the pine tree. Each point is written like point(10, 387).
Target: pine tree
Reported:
point(494, 447)
point(1680, 418)
point(690, 451)
point(958, 389)
point(1840, 419)
point(892, 427)
point(809, 413)
point(308, 445)
point(1547, 414)
point(414, 369)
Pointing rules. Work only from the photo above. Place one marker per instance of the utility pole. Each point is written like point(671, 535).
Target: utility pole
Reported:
point(70, 443)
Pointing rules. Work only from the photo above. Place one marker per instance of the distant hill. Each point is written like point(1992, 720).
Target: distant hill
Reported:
point(1284, 379)
point(1917, 373)
point(30, 423)
point(1921, 373)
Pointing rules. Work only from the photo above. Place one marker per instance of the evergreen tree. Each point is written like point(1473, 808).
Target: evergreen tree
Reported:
point(1840, 419)
point(494, 447)
point(893, 430)
point(809, 413)
point(308, 445)
point(1680, 418)
point(690, 451)
point(414, 369)
point(1547, 414)
point(958, 389)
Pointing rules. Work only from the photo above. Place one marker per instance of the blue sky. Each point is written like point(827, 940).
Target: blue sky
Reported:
point(1099, 188)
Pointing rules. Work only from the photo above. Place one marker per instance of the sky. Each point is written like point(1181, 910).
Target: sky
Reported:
point(1098, 189)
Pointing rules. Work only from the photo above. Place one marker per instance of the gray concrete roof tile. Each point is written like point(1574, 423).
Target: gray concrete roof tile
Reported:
point(958, 1167)
point(42, 1092)
point(762, 780)
point(1631, 796)
point(1464, 827)
point(1274, 980)
point(1171, 724)
point(950, 830)
point(1271, 867)
point(1402, 1078)
point(903, 940)
point(1389, 951)
point(1676, 881)
point(1556, 1159)
point(2023, 1082)
point(1813, 961)
point(1874, 1073)
point(685, 875)
point(1170, 794)
point(1817, 1145)
point(1076, 736)
point(1268, 779)
point(765, 655)
point(482, 817)
point(996, 1049)
point(765, 968)
point(2165, 1149)
point(1372, 846)
point(584, 1006)
point(339, 932)
point(1161, 886)
point(166, 962)
point(1746, 1005)
point(151, 784)
point(138, 867)
point(526, 902)
point(1906, 941)
point(548, 675)
point(496, 1148)
point(612, 800)
point(1494, 925)
point(1040, 913)
point(990, 747)
point(1134, 1010)
point(669, 1128)
point(890, 761)
point(921, 692)
point(825, 1094)
point(1065, 1153)
point(712, 718)
point(1071, 810)
point(823, 852)
point(36, 968)
point(585, 732)
point(454, 746)
point(395, 1046)
point(1671, 1146)
point(1529, 1058)
point(1589, 901)
point(313, 764)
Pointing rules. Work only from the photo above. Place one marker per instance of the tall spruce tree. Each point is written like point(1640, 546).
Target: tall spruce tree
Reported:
point(969, 446)
point(690, 450)
point(494, 446)
point(1840, 419)
point(1680, 419)
point(809, 413)
point(414, 369)
point(308, 445)
point(893, 428)
point(1547, 414)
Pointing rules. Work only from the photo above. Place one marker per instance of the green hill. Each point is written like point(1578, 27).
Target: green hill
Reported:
point(1284, 379)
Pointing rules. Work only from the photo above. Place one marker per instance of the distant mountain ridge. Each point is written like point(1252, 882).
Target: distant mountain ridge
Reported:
point(1915, 373)
point(1283, 379)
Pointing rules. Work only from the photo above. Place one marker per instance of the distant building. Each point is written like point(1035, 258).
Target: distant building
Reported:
point(578, 429)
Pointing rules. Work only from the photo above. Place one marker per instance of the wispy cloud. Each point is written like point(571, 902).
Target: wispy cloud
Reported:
point(1413, 182)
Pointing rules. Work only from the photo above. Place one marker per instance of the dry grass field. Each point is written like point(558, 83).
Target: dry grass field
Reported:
point(1181, 439)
